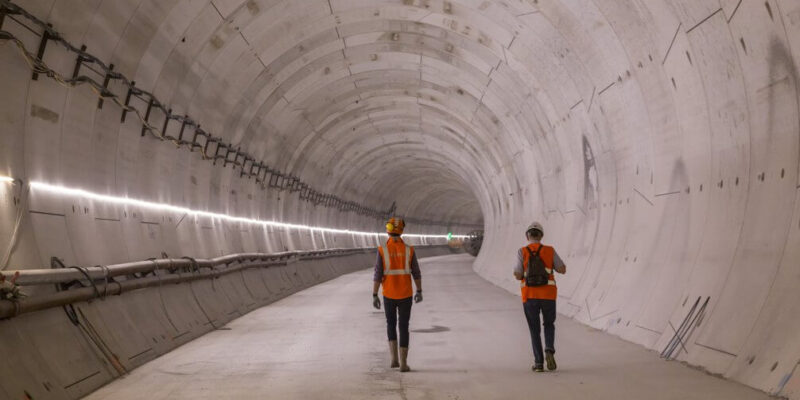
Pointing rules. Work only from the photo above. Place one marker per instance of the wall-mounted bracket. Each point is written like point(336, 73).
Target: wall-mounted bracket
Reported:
point(147, 116)
point(228, 150)
point(262, 170)
point(197, 132)
point(78, 62)
point(273, 179)
point(216, 151)
point(105, 92)
point(183, 128)
point(42, 46)
point(127, 101)
point(166, 121)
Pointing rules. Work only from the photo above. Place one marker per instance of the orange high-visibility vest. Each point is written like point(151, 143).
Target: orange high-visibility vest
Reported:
point(396, 268)
point(546, 292)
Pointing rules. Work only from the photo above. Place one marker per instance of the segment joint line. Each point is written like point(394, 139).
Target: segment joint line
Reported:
point(706, 19)
point(643, 196)
point(675, 36)
point(606, 88)
point(734, 11)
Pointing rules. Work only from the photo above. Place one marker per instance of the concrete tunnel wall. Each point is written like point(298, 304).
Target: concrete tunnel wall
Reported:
point(657, 141)
point(46, 356)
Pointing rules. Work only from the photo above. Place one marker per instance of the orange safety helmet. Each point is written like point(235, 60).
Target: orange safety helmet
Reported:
point(395, 225)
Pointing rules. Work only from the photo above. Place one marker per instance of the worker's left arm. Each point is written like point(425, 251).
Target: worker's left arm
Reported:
point(558, 264)
point(415, 271)
point(417, 275)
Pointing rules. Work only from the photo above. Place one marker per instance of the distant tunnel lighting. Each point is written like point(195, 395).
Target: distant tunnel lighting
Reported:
point(6, 179)
point(65, 191)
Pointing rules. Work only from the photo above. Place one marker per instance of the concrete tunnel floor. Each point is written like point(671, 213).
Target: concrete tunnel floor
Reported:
point(469, 340)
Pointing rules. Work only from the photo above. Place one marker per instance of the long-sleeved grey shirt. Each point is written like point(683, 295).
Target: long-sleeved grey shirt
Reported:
point(378, 276)
point(557, 262)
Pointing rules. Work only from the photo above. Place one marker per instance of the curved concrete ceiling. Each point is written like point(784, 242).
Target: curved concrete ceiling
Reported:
point(657, 141)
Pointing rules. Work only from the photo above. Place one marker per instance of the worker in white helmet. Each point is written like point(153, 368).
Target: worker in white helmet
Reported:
point(535, 267)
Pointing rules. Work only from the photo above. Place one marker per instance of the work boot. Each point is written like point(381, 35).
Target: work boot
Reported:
point(537, 368)
point(550, 360)
point(404, 360)
point(393, 352)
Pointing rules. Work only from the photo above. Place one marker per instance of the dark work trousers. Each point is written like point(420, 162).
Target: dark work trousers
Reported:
point(548, 309)
point(392, 308)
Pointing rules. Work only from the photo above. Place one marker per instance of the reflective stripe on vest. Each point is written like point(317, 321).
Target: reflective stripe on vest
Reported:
point(387, 260)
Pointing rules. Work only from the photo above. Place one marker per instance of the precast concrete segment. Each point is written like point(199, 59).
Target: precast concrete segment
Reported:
point(327, 342)
point(656, 140)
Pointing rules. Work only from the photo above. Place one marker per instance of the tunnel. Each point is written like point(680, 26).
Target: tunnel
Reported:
point(181, 177)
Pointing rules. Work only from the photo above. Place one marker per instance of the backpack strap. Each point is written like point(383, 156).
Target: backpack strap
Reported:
point(526, 268)
point(539, 249)
point(530, 258)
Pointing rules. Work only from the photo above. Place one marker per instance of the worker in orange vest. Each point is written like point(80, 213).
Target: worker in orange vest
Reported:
point(395, 266)
point(534, 269)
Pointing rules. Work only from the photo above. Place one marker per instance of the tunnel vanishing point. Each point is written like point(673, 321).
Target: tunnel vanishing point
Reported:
point(167, 166)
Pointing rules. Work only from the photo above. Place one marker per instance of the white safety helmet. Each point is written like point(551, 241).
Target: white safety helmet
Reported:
point(535, 225)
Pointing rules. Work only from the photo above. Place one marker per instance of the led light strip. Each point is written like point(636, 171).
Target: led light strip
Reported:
point(61, 190)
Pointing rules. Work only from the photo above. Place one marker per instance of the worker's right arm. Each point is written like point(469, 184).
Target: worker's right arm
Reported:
point(376, 281)
point(518, 266)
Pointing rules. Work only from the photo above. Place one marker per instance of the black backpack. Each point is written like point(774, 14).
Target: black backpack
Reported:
point(536, 274)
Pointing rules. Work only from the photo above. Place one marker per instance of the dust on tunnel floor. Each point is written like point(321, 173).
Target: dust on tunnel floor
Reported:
point(469, 340)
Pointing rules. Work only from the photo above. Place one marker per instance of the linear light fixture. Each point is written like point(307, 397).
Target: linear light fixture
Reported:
point(66, 191)
point(6, 179)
